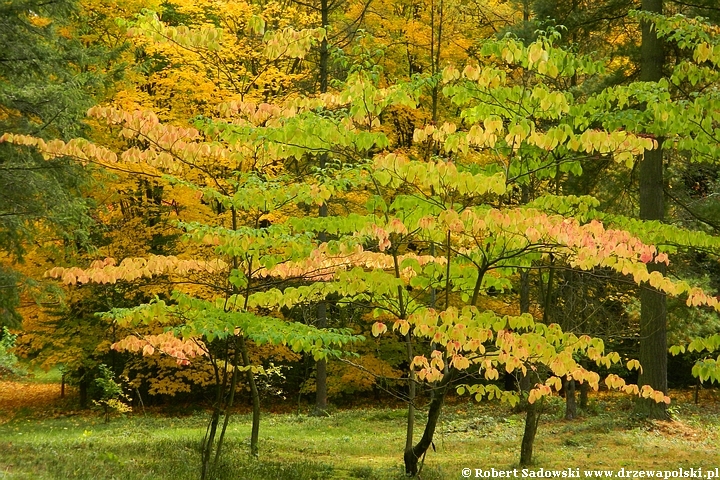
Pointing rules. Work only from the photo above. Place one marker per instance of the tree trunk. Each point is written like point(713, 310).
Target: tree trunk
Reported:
point(83, 385)
point(229, 403)
point(321, 365)
point(413, 455)
point(324, 67)
point(533, 411)
point(532, 417)
point(320, 409)
point(436, 32)
point(411, 395)
point(584, 390)
point(531, 424)
point(570, 403)
point(653, 308)
point(255, 432)
point(208, 442)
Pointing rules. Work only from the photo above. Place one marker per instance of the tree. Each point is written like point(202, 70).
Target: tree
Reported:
point(689, 124)
point(141, 202)
point(40, 199)
point(238, 177)
point(653, 316)
point(524, 156)
point(458, 225)
point(681, 119)
point(653, 180)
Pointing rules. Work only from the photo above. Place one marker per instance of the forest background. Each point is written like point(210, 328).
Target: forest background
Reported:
point(315, 201)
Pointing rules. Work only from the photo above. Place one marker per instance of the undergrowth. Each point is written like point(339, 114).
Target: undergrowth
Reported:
point(354, 444)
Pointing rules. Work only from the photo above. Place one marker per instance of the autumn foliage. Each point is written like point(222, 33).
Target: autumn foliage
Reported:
point(421, 227)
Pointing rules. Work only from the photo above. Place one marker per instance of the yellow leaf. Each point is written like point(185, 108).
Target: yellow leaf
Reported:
point(379, 328)
point(535, 53)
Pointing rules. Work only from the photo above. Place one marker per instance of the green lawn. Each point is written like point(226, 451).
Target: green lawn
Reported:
point(362, 444)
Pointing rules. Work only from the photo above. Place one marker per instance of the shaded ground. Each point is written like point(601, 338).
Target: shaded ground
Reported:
point(36, 399)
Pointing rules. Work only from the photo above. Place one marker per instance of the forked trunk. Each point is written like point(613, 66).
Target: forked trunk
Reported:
point(413, 455)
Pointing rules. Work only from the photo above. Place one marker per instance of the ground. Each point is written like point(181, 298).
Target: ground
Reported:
point(43, 437)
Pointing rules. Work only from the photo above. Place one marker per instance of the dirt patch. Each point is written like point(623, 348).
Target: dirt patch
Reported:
point(676, 429)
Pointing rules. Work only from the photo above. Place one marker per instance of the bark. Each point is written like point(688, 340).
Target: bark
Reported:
point(209, 440)
point(413, 455)
point(208, 443)
point(411, 396)
point(324, 50)
point(524, 291)
point(321, 365)
point(255, 432)
point(531, 424)
point(320, 409)
point(533, 409)
point(653, 308)
point(584, 390)
point(228, 406)
point(653, 349)
point(570, 403)
point(436, 32)
point(83, 385)
point(321, 403)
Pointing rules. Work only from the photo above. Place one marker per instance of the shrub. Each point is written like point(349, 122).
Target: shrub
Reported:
point(112, 396)
point(8, 361)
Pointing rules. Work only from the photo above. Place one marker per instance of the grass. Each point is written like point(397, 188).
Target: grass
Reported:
point(353, 444)
point(38, 375)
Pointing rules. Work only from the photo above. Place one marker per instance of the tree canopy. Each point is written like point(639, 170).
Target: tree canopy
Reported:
point(425, 175)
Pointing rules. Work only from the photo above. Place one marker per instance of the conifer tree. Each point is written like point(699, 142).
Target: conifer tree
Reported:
point(47, 82)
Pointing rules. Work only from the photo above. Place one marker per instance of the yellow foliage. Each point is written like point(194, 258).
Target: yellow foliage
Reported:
point(163, 376)
point(361, 374)
point(39, 21)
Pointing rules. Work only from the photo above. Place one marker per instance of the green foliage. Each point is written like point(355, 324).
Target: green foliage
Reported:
point(47, 82)
point(422, 235)
point(9, 296)
point(8, 361)
point(112, 393)
point(707, 369)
